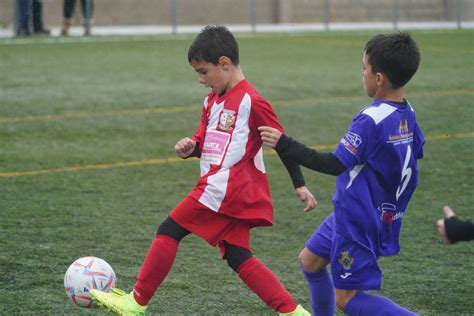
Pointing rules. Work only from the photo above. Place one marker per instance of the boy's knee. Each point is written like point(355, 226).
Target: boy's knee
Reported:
point(236, 255)
point(172, 229)
point(311, 262)
point(341, 303)
point(343, 297)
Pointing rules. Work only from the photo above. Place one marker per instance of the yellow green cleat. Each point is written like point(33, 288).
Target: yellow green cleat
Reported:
point(118, 302)
point(299, 311)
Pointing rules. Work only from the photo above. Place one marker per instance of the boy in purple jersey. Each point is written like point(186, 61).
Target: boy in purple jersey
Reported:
point(376, 165)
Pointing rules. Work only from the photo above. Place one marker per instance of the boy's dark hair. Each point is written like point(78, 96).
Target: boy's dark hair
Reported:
point(212, 43)
point(396, 55)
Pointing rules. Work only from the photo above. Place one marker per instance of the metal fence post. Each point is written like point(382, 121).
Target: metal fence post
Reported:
point(396, 13)
point(253, 15)
point(174, 16)
point(16, 16)
point(459, 13)
point(326, 15)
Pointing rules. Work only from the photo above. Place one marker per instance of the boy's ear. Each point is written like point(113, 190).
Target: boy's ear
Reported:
point(224, 62)
point(380, 79)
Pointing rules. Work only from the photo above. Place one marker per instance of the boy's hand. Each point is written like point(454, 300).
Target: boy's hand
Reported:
point(448, 212)
point(306, 196)
point(184, 147)
point(269, 135)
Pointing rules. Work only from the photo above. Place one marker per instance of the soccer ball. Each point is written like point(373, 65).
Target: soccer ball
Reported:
point(88, 273)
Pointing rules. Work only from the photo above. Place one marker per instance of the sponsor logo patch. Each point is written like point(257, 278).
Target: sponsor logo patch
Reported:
point(388, 213)
point(214, 147)
point(351, 142)
point(402, 136)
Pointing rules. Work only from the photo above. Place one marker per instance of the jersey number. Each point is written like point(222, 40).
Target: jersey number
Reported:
point(406, 174)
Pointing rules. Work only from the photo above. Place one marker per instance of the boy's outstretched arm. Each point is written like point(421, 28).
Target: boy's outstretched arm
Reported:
point(326, 163)
point(297, 178)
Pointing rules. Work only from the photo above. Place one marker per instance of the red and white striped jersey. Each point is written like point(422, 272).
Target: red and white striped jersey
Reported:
point(233, 180)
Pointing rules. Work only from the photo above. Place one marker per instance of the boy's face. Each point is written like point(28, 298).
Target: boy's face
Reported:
point(213, 76)
point(369, 79)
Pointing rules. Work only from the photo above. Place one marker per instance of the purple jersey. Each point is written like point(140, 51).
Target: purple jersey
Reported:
point(380, 151)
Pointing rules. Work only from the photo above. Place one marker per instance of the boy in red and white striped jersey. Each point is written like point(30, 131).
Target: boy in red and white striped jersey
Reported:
point(232, 195)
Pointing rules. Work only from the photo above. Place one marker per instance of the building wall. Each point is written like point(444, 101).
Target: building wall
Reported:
point(201, 12)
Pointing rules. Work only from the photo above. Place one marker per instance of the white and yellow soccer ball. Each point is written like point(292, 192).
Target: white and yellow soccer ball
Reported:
point(88, 273)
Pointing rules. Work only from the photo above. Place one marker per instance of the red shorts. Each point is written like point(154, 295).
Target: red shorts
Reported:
point(213, 227)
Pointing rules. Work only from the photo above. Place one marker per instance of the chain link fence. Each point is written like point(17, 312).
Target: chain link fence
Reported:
point(176, 16)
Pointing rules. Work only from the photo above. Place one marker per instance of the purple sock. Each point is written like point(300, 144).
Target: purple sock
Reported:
point(367, 304)
point(321, 292)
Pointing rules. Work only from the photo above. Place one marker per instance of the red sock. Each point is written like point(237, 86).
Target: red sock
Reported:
point(266, 285)
point(155, 268)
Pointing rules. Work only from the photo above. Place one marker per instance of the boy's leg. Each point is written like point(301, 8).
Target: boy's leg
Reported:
point(321, 288)
point(158, 261)
point(215, 229)
point(368, 304)
point(68, 9)
point(87, 9)
point(314, 258)
point(37, 10)
point(260, 279)
point(354, 268)
point(68, 12)
point(23, 15)
point(155, 268)
point(87, 13)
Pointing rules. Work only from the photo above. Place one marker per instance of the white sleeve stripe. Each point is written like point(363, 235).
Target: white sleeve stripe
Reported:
point(353, 174)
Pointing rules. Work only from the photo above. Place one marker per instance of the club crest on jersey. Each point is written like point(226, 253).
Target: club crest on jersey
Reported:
point(226, 120)
point(403, 128)
point(345, 260)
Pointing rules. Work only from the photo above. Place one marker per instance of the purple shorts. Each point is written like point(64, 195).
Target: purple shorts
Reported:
point(353, 266)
